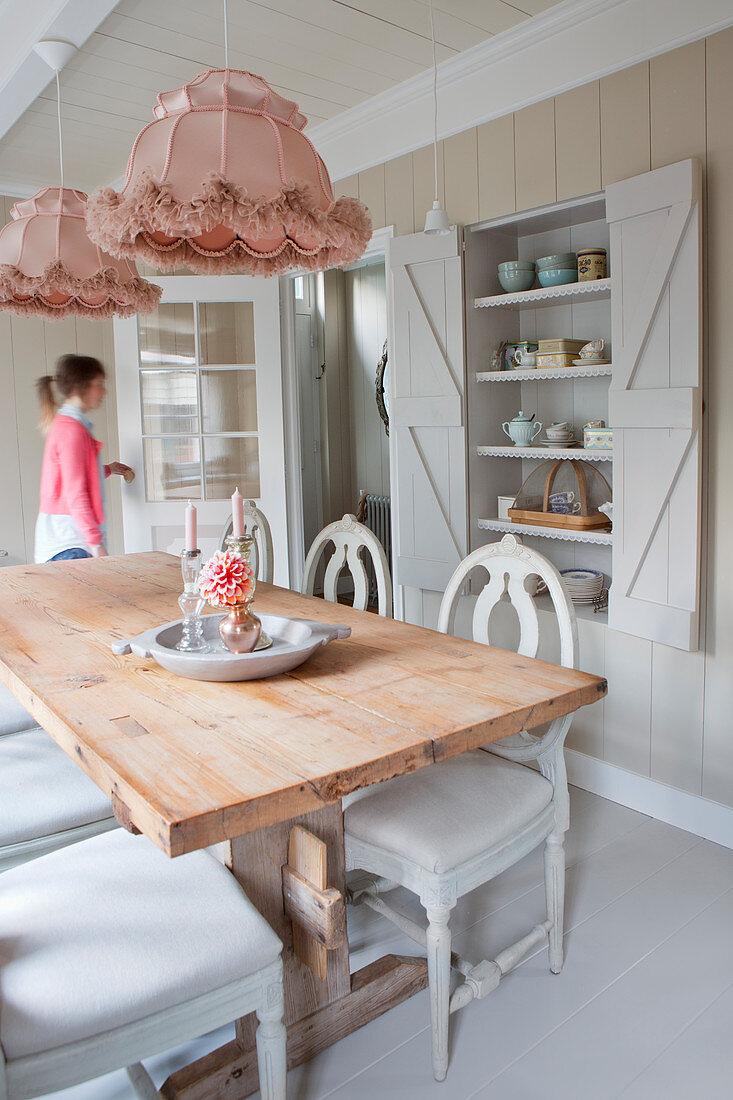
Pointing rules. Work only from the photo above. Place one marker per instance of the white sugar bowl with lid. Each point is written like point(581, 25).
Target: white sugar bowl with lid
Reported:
point(522, 429)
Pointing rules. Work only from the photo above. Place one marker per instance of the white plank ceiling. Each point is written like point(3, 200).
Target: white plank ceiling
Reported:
point(327, 55)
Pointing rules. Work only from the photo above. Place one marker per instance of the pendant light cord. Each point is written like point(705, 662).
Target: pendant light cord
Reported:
point(61, 144)
point(226, 37)
point(435, 101)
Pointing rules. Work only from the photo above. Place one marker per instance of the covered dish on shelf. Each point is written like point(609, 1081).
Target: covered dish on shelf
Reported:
point(563, 493)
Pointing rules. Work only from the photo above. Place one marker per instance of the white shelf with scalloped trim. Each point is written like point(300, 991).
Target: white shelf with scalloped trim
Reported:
point(543, 374)
point(544, 452)
point(546, 296)
point(596, 538)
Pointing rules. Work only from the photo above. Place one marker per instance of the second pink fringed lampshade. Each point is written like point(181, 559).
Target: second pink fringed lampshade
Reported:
point(50, 268)
point(225, 180)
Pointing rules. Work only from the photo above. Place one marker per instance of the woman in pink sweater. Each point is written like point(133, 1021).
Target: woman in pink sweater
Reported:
point(71, 520)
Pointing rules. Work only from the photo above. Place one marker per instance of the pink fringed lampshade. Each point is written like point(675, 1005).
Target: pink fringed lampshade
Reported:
point(50, 268)
point(224, 180)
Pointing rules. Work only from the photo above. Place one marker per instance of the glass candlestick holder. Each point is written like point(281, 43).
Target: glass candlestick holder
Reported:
point(191, 603)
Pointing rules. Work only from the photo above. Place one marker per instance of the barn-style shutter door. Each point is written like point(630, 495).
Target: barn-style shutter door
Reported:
point(655, 403)
point(427, 409)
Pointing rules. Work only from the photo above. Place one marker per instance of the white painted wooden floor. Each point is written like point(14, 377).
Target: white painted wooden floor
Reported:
point(642, 1010)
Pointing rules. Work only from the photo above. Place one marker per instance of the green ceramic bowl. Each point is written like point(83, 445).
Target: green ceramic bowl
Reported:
point(517, 265)
point(517, 280)
point(559, 259)
point(557, 276)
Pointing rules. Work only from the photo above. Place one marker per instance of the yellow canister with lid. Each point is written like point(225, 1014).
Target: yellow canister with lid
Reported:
point(591, 264)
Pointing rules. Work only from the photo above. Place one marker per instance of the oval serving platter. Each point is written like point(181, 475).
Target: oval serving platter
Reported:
point(293, 642)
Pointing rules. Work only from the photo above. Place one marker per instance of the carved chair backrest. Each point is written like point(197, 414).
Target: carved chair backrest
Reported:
point(256, 525)
point(509, 564)
point(349, 537)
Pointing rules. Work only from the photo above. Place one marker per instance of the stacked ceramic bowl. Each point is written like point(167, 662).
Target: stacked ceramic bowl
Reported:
point(517, 275)
point(584, 585)
point(558, 269)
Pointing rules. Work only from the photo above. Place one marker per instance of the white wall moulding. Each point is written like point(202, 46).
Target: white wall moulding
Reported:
point(679, 808)
point(554, 51)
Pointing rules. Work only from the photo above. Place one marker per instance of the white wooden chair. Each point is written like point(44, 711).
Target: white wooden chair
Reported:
point(349, 537)
point(110, 952)
point(444, 830)
point(46, 801)
point(257, 525)
point(13, 717)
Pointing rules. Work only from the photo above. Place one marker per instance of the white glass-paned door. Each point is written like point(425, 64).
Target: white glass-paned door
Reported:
point(200, 410)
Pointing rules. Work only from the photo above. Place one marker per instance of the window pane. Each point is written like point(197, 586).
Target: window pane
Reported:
point(229, 400)
point(169, 401)
point(227, 332)
point(172, 469)
point(166, 336)
point(229, 463)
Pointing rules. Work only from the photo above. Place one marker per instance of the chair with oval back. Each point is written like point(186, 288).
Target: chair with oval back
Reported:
point(13, 717)
point(46, 801)
point(446, 829)
point(255, 524)
point(349, 537)
point(112, 953)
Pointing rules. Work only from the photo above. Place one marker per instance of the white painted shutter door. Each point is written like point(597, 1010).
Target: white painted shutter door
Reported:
point(655, 403)
point(427, 414)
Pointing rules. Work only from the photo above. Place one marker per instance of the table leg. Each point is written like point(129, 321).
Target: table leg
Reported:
point(317, 1013)
point(257, 860)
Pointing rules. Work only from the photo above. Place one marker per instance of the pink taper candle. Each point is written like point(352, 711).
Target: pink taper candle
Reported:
point(191, 527)
point(237, 513)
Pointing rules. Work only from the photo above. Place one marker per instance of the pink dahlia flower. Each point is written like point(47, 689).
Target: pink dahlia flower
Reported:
point(226, 579)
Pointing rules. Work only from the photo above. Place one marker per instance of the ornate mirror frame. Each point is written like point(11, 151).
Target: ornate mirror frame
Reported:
point(381, 404)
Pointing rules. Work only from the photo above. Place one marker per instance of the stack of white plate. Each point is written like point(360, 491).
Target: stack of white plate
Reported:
point(584, 585)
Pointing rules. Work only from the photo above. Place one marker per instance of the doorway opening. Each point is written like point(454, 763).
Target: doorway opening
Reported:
point(340, 349)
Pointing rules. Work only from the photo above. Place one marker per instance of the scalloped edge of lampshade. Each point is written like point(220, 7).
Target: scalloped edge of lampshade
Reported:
point(121, 224)
point(123, 299)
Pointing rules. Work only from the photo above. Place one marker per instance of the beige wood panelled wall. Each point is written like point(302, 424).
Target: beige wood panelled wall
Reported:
point(668, 713)
point(29, 347)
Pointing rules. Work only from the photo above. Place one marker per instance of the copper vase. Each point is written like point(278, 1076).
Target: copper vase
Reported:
point(240, 630)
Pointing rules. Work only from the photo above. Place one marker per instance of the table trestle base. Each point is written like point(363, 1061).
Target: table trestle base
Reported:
point(230, 1072)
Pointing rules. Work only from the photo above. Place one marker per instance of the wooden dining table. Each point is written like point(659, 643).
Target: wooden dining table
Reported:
point(235, 767)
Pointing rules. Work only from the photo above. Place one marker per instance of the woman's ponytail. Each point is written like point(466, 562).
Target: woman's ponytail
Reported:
point(73, 375)
point(46, 401)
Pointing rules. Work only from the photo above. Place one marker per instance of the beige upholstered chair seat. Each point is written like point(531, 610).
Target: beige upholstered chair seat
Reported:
point(13, 717)
point(42, 791)
point(442, 816)
point(94, 909)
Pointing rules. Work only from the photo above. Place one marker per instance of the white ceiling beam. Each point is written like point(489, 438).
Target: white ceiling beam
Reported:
point(23, 75)
point(571, 44)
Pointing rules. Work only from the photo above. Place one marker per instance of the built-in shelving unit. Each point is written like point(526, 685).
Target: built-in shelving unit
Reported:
point(593, 538)
point(577, 393)
point(546, 296)
point(543, 453)
point(544, 374)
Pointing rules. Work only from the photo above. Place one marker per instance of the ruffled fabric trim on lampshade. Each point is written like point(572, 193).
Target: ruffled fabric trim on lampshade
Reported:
point(224, 180)
point(50, 268)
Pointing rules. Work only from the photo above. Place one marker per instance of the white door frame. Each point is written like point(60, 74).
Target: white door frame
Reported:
point(291, 405)
point(218, 288)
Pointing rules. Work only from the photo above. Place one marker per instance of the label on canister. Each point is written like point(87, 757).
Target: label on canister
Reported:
point(591, 264)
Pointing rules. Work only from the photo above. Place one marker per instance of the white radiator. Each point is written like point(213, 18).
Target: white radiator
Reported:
point(375, 512)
